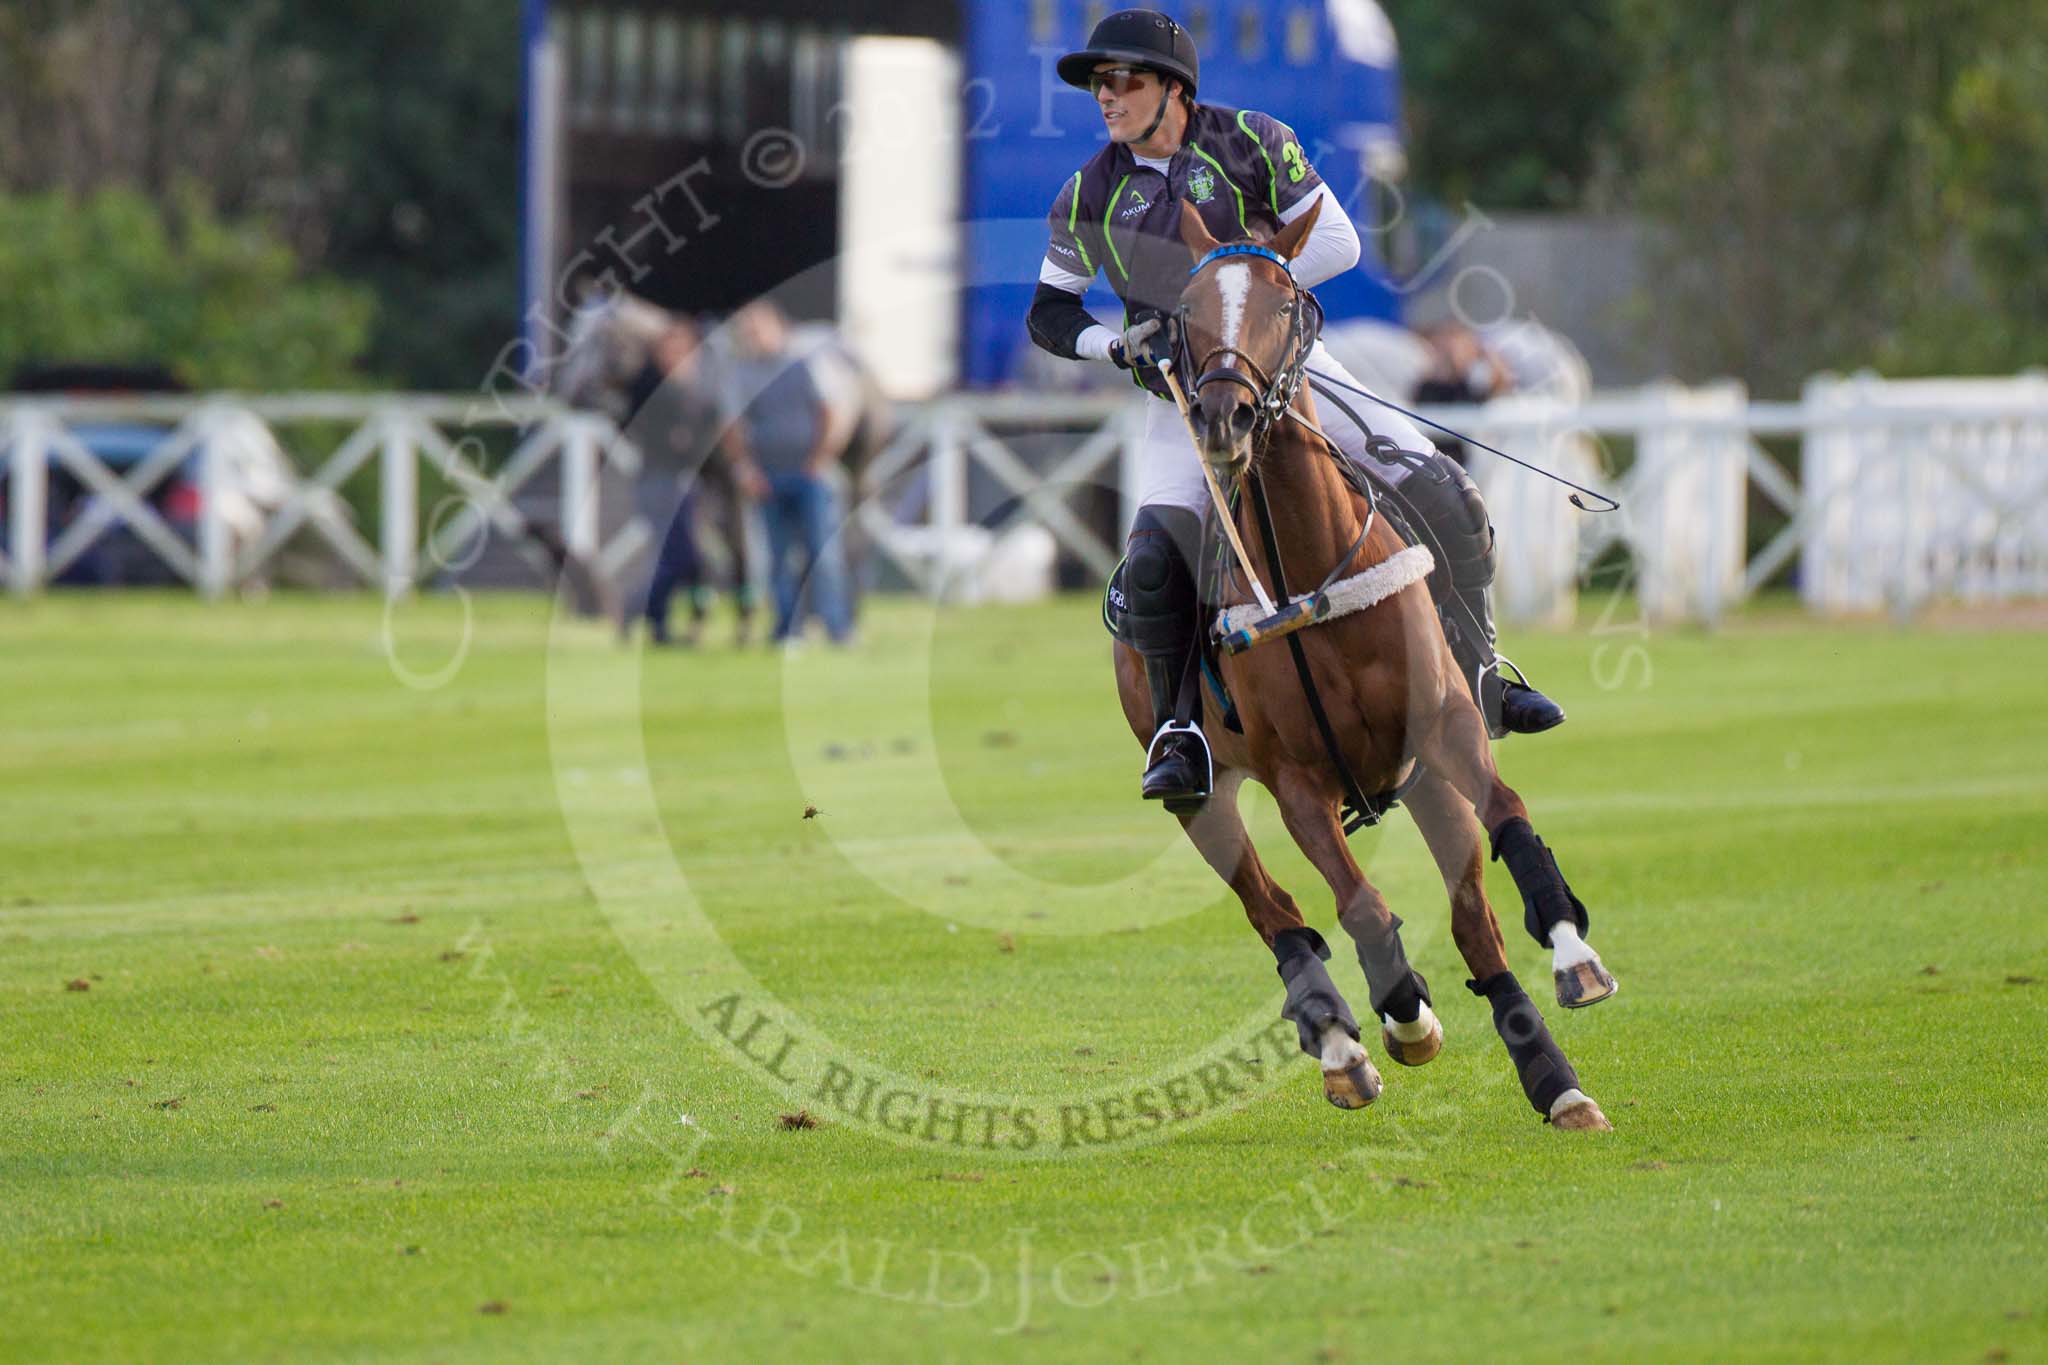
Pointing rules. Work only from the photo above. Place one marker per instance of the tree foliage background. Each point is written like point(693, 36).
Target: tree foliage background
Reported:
point(1513, 104)
point(1846, 182)
point(112, 276)
point(373, 143)
point(1829, 184)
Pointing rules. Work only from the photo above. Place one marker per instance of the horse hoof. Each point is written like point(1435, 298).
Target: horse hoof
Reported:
point(1587, 983)
point(1420, 1050)
point(1352, 1089)
point(1577, 1112)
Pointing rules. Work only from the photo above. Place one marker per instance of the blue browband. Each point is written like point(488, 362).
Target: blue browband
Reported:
point(1243, 249)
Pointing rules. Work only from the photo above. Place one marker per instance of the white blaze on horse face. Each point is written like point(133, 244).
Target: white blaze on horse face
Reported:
point(1234, 282)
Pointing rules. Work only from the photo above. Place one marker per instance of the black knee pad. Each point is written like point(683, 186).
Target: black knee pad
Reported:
point(1547, 899)
point(1478, 560)
point(1446, 500)
point(1312, 998)
point(1398, 990)
point(1539, 1061)
point(1472, 506)
point(1159, 585)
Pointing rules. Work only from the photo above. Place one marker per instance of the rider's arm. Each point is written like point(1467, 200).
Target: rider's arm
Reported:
point(1283, 177)
point(1332, 246)
point(1057, 321)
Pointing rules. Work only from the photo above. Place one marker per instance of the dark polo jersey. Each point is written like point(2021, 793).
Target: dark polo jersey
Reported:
point(1241, 170)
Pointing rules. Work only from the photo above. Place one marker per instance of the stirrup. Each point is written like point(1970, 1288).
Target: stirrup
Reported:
point(1192, 803)
point(1490, 710)
point(1501, 661)
point(1497, 723)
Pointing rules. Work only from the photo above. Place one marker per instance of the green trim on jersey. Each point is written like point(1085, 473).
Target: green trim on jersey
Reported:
point(1243, 226)
point(1073, 216)
point(1108, 235)
point(1272, 172)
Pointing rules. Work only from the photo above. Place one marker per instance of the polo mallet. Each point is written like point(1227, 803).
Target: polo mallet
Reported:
point(1278, 621)
point(1223, 512)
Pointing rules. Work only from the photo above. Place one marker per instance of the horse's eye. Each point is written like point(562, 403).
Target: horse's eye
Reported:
point(1286, 310)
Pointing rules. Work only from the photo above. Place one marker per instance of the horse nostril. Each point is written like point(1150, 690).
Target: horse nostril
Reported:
point(1215, 429)
point(1226, 430)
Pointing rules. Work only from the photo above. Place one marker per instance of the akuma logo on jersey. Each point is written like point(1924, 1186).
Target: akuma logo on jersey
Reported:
point(1133, 206)
point(1202, 184)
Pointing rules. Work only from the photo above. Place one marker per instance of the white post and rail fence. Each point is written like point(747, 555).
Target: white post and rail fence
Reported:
point(1876, 496)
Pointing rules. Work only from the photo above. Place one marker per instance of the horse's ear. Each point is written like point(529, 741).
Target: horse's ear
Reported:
point(1289, 240)
point(1194, 231)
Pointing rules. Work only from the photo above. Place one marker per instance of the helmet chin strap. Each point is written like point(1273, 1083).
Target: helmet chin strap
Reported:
point(1157, 119)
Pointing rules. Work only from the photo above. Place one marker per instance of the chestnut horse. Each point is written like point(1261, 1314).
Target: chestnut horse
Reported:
point(1398, 711)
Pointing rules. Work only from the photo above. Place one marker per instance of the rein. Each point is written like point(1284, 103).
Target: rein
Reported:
point(1322, 383)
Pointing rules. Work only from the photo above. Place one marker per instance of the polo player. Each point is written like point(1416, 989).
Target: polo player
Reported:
point(1246, 174)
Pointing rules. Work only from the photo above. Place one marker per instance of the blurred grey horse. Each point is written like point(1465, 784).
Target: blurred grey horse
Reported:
point(612, 339)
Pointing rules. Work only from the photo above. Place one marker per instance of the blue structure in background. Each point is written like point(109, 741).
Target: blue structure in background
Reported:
point(1300, 63)
point(621, 94)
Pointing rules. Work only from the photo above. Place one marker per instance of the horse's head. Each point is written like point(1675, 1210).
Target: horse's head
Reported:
point(1242, 332)
point(611, 335)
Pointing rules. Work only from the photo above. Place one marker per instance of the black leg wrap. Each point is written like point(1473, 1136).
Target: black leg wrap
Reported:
point(1546, 898)
point(1398, 990)
point(1538, 1060)
point(1312, 999)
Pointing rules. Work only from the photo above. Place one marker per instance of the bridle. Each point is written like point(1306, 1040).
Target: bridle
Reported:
point(1273, 397)
point(1273, 392)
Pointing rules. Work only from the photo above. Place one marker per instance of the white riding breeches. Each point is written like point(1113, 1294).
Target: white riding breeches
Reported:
point(1169, 468)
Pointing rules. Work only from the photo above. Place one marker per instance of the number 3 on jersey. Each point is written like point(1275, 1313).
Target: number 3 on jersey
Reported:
point(1297, 167)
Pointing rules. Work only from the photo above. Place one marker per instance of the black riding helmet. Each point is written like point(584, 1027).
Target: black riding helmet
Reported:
point(1138, 37)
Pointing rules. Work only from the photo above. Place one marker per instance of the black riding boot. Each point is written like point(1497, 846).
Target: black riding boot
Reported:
point(1163, 624)
point(1445, 499)
point(1177, 765)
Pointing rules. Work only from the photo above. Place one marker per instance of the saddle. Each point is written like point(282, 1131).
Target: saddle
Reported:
point(1362, 810)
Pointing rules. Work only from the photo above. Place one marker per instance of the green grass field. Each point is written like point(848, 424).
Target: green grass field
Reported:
point(349, 1020)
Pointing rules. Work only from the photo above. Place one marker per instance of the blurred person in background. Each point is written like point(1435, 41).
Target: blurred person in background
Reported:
point(789, 422)
point(624, 353)
point(1462, 369)
point(675, 407)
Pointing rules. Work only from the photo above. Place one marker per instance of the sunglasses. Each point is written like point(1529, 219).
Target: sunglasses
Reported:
point(1120, 80)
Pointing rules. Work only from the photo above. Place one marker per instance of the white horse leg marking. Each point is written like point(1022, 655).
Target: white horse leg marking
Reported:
point(1567, 949)
point(1567, 1100)
point(1235, 283)
point(1413, 1032)
point(1341, 1051)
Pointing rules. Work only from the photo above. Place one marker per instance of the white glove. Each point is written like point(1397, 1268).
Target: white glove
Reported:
point(1132, 343)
